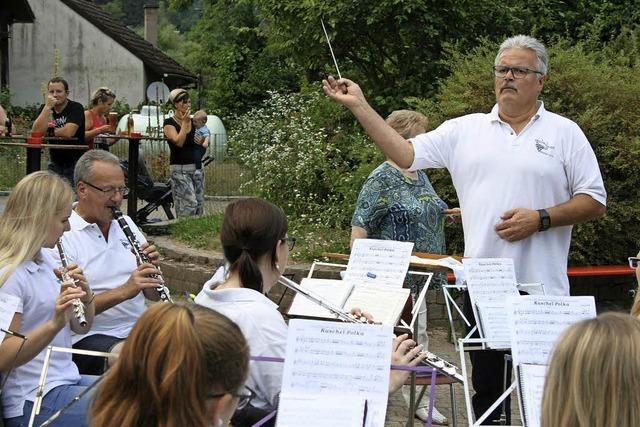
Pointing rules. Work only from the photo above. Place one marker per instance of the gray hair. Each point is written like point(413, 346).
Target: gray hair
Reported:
point(83, 169)
point(526, 42)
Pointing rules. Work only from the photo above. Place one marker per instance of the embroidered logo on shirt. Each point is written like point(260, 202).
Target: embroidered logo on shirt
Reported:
point(544, 147)
point(126, 244)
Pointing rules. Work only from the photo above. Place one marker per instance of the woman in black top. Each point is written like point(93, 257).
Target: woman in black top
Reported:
point(186, 171)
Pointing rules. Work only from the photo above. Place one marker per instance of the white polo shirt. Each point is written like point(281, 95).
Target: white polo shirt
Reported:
point(37, 287)
point(262, 326)
point(494, 170)
point(106, 265)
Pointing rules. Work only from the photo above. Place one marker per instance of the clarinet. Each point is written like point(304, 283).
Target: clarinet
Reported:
point(78, 306)
point(141, 257)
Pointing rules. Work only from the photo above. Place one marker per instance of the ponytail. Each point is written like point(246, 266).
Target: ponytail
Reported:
point(247, 267)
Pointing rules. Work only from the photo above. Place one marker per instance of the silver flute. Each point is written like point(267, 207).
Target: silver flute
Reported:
point(78, 306)
point(141, 257)
point(431, 359)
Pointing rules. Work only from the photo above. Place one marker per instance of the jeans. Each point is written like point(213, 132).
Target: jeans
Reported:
point(75, 415)
point(93, 365)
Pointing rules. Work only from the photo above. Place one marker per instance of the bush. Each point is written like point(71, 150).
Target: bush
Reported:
point(305, 154)
point(601, 92)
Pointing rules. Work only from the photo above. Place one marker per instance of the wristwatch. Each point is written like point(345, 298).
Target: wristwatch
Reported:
point(545, 220)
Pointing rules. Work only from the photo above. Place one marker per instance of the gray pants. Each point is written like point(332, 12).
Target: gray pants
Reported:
point(186, 181)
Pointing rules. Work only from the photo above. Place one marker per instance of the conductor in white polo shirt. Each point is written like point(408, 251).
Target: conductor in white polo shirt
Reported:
point(97, 243)
point(523, 176)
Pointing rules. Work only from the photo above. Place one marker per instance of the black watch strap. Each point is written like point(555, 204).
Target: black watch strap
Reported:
point(545, 220)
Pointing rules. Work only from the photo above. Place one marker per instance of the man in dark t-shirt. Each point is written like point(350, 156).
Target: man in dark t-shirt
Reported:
point(68, 117)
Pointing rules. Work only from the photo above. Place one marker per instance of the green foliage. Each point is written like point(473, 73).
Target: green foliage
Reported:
point(199, 232)
point(305, 155)
point(595, 91)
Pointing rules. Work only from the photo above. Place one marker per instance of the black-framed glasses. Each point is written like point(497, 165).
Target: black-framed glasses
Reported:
point(244, 397)
point(109, 191)
point(633, 261)
point(517, 72)
point(291, 242)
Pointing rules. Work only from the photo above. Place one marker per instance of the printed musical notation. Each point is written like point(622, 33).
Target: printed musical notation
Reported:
point(537, 321)
point(531, 382)
point(490, 281)
point(378, 261)
point(8, 307)
point(328, 358)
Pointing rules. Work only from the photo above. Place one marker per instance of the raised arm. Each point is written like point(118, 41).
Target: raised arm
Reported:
point(349, 94)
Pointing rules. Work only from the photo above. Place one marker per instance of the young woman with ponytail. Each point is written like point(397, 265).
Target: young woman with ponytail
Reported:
point(182, 365)
point(256, 246)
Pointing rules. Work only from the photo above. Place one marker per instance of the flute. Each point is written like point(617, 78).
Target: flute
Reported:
point(78, 306)
point(141, 257)
point(431, 359)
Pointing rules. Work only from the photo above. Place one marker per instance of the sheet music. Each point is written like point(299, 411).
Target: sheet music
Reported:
point(8, 307)
point(494, 321)
point(537, 321)
point(378, 261)
point(314, 411)
point(490, 280)
point(384, 303)
point(334, 291)
point(329, 358)
point(531, 383)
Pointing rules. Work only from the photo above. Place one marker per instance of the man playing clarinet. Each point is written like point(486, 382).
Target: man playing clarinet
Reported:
point(98, 244)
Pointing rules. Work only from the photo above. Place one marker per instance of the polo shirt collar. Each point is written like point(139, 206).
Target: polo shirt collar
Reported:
point(233, 294)
point(494, 117)
point(79, 223)
point(32, 265)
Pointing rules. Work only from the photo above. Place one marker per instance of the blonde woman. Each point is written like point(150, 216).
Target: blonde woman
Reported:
point(95, 118)
point(182, 365)
point(36, 215)
point(594, 375)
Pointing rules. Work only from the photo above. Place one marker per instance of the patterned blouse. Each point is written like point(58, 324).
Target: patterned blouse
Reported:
point(392, 206)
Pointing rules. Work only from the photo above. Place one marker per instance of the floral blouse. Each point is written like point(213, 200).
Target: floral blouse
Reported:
point(392, 206)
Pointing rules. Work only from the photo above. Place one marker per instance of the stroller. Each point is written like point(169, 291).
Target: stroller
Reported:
point(156, 194)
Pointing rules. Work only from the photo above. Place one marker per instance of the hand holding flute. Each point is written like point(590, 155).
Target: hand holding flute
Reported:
point(72, 277)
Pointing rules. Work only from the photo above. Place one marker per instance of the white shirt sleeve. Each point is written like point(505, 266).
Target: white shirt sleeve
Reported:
point(434, 149)
point(268, 375)
point(583, 172)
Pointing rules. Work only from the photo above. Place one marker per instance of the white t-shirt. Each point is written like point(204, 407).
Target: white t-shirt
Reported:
point(38, 288)
point(262, 326)
point(494, 170)
point(106, 265)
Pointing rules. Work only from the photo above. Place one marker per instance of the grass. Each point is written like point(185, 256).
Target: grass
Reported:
point(312, 241)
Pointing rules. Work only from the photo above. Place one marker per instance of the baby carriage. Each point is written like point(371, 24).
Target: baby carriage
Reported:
point(156, 194)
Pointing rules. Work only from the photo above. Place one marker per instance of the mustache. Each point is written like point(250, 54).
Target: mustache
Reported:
point(507, 86)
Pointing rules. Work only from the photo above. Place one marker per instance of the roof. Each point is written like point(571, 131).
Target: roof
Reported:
point(151, 56)
point(19, 11)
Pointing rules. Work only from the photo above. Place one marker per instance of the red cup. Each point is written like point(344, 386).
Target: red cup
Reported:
point(35, 138)
point(137, 135)
point(36, 134)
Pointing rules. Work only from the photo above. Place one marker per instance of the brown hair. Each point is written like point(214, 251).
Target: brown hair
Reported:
point(102, 94)
point(594, 375)
point(175, 355)
point(250, 229)
point(407, 122)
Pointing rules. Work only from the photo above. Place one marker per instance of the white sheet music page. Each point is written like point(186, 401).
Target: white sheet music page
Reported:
point(537, 321)
point(494, 321)
point(334, 291)
point(330, 358)
point(339, 410)
point(383, 302)
point(8, 306)
point(490, 280)
point(531, 382)
point(378, 261)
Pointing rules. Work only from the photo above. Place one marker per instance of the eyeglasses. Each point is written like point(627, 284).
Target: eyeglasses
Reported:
point(517, 72)
point(244, 397)
point(633, 262)
point(291, 242)
point(109, 191)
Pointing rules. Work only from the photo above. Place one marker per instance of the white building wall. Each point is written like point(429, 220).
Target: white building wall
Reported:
point(88, 58)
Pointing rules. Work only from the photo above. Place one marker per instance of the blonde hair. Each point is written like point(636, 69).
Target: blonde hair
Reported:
point(31, 209)
point(594, 375)
point(175, 355)
point(200, 114)
point(407, 123)
point(102, 94)
point(635, 308)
